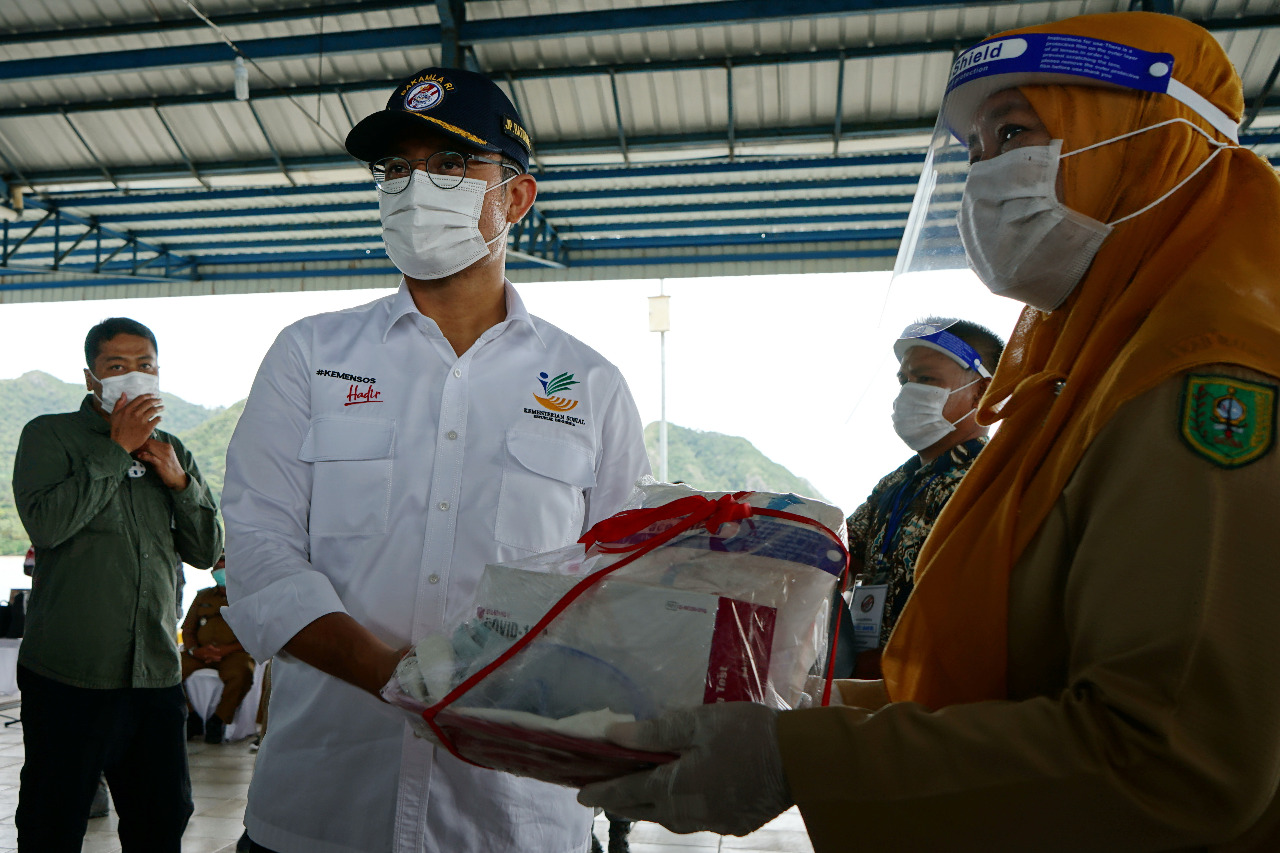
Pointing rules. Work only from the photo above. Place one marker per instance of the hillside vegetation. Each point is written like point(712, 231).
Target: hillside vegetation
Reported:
point(708, 461)
point(714, 462)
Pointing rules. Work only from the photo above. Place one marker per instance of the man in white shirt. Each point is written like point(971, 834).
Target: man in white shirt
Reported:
point(385, 455)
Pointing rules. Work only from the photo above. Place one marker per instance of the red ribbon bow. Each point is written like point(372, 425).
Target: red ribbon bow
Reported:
point(687, 512)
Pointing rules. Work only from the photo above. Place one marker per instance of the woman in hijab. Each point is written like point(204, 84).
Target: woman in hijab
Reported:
point(1091, 657)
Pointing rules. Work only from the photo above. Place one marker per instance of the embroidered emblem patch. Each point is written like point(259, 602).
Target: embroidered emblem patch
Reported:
point(552, 388)
point(1228, 421)
point(424, 96)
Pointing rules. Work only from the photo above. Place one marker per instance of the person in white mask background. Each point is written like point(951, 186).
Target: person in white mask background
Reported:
point(944, 367)
point(114, 505)
point(386, 454)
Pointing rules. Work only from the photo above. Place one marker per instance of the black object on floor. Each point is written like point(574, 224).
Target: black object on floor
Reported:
point(214, 729)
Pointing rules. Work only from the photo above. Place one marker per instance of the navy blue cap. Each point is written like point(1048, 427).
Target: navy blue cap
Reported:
point(451, 102)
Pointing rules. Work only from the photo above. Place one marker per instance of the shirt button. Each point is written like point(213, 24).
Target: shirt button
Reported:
point(451, 435)
point(433, 579)
point(444, 504)
point(457, 371)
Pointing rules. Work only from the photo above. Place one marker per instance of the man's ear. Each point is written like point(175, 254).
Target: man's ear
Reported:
point(521, 193)
point(88, 380)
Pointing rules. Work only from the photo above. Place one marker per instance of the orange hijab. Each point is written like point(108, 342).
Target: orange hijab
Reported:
point(1193, 281)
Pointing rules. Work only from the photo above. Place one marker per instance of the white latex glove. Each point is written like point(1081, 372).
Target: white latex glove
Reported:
point(728, 778)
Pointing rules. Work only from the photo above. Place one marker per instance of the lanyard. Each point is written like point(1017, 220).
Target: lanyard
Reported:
point(901, 503)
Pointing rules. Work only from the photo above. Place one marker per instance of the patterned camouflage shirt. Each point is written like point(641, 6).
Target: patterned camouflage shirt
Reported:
point(886, 532)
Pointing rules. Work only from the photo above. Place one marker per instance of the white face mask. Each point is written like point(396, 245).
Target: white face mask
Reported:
point(917, 414)
point(431, 232)
point(1024, 243)
point(132, 384)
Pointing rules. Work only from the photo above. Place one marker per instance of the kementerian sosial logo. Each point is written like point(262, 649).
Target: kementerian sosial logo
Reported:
point(553, 387)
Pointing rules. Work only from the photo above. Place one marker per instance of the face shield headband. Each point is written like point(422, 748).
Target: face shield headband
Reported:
point(936, 337)
point(1049, 58)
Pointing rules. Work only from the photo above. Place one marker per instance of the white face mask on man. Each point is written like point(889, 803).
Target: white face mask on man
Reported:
point(430, 232)
point(917, 414)
point(133, 384)
point(1020, 239)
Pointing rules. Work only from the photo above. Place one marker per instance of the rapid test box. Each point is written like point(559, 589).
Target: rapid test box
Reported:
point(679, 648)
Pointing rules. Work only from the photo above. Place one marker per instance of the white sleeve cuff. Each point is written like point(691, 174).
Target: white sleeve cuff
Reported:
point(266, 620)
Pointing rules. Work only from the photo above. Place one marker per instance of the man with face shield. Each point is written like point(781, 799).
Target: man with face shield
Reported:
point(944, 366)
point(386, 454)
point(1090, 659)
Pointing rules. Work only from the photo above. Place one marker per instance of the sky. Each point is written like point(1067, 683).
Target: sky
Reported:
point(801, 366)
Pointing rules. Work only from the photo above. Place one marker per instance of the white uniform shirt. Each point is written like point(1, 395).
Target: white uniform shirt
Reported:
point(375, 472)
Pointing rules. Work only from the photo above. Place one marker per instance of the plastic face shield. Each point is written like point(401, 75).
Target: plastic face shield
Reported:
point(931, 276)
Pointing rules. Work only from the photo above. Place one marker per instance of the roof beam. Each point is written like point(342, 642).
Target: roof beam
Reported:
point(673, 144)
point(279, 13)
point(385, 270)
point(89, 150)
point(552, 197)
point(453, 50)
point(182, 152)
point(556, 25)
point(547, 179)
point(690, 208)
point(569, 234)
point(271, 146)
point(617, 114)
point(406, 37)
point(212, 53)
point(498, 30)
point(728, 93)
point(606, 244)
point(9, 259)
point(835, 133)
point(666, 142)
point(510, 76)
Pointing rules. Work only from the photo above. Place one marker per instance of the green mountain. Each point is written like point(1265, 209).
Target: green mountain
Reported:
point(36, 393)
point(208, 444)
point(708, 461)
point(712, 462)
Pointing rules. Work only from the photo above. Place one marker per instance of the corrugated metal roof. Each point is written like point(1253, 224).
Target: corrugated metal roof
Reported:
point(672, 138)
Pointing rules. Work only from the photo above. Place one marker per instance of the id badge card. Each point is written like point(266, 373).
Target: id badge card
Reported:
point(867, 610)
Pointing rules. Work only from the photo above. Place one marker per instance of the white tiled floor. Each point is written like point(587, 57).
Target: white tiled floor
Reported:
point(220, 781)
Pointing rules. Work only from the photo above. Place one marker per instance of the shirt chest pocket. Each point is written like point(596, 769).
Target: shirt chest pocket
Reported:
point(542, 504)
point(351, 475)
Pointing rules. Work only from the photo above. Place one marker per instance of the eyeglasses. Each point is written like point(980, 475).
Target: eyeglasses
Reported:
point(446, 169)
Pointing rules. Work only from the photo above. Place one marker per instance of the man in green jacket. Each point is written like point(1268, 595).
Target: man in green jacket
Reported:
point(112, 503)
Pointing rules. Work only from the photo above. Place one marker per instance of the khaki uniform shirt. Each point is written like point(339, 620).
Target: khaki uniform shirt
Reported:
point(1144, 676)
point(102, 603)
point(204, 618)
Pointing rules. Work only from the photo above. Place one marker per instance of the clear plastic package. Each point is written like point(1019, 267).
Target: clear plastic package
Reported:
point(687, 598)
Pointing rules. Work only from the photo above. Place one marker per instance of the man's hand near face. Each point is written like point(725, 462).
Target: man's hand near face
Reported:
point(133, 421)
